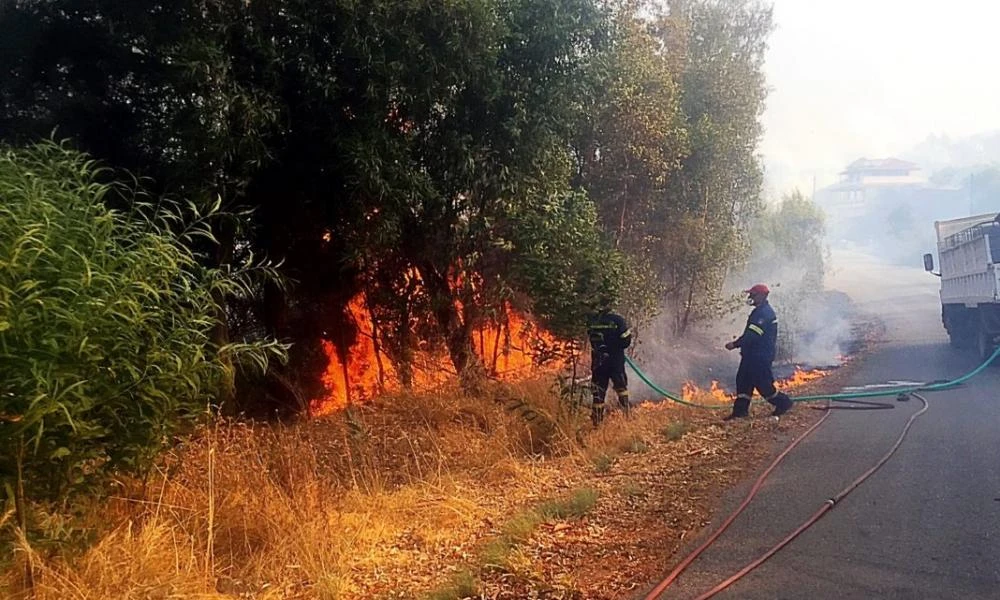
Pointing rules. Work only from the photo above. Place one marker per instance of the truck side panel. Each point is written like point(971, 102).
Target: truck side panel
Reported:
point(970, 282)
point(968, 275)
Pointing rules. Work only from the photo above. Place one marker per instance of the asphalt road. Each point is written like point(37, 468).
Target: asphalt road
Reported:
point(927, 525)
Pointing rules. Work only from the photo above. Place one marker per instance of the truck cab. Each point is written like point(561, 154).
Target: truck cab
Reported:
point(969, 255)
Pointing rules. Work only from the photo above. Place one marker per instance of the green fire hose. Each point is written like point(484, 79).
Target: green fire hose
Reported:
point(841, 396)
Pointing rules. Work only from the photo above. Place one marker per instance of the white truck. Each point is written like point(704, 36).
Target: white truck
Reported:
point(969, 255)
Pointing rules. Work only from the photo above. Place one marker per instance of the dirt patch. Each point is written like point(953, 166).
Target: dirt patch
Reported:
point(649, 504)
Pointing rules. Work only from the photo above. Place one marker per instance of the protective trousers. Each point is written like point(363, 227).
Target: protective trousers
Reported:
point(607, 368)
point(755, 374)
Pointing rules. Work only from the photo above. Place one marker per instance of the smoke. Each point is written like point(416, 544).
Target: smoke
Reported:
point(824, 332)
point(816, 329)
point(815, 324)
point(826, 298)
point(698, 357)
point(905, 299)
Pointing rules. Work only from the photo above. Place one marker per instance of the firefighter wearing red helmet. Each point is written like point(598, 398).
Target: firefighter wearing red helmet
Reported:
point(757, 346)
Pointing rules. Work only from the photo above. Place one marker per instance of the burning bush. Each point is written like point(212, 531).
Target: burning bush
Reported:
point(510, 347)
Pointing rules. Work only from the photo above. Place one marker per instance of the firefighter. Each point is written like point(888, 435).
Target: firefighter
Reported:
point(757, 346)
point(609, 336)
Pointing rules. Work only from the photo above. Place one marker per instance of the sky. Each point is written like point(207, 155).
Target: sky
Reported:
point(853, 78)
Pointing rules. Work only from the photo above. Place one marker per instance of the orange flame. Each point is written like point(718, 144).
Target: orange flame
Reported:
point(692, 393)
point(800, 377)
point(507, 352)
point(365, 372)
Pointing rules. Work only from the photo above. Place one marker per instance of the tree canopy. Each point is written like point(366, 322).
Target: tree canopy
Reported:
point(448, 158)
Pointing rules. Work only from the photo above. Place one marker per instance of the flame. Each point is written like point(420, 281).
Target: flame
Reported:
point(801, 377)
point(715, 393)
point(365, 372)
point(690, 392)
point(508, 352)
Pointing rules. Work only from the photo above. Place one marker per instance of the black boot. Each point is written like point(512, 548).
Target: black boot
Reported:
point(741, 409)
point(782, 404)
point(623, 401)
point(597, 413)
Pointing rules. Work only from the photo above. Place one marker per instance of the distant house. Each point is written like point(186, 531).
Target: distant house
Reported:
point(865, 176)
point(882, 171)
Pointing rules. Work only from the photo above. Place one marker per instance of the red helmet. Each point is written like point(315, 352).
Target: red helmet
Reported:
point(760, 288)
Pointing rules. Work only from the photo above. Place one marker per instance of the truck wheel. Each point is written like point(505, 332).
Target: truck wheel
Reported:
point(958, 339)
point(960, 327)
point(984, 344)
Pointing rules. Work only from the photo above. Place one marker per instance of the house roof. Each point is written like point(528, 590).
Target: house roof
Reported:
point(881, 164)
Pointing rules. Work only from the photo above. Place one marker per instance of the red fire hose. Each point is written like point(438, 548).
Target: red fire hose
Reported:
point(827, 505)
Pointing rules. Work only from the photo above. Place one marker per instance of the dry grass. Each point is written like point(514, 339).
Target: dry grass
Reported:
point(376, 502)
point(675, 430)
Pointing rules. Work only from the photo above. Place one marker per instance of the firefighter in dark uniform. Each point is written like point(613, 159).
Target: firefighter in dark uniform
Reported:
point(609, 336)
point(757, 346)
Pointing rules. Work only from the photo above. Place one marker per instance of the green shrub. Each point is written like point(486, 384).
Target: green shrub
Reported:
point(106, 321)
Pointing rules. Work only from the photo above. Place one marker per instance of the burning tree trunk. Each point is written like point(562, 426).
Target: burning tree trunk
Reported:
point(457, 331)
point(376, 342)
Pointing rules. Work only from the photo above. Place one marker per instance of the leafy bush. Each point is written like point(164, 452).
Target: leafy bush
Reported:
point(106, 321)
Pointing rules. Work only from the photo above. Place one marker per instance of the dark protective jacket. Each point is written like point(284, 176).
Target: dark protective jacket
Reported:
point(760, 339)
point(608, 333)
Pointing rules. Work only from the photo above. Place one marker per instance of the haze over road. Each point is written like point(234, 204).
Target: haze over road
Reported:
point(927, 525)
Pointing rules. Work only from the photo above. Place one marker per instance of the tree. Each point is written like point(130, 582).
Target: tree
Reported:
point(106, 319)
point(144, 86)
point(630, 148)
point(787, 246)
point(410, 149)
point(717, 47)
point(789, 237)
point(459, 121)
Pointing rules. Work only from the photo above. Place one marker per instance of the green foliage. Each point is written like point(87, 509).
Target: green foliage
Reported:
point(449, 158)
point(576, 505)
point(520, 528)
point(719, 47)
point(496, 553)
point(629, 149)
point(563, 261)
point(788, 247)
point(787, 240)
point(477, 197)
point(105, 324)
